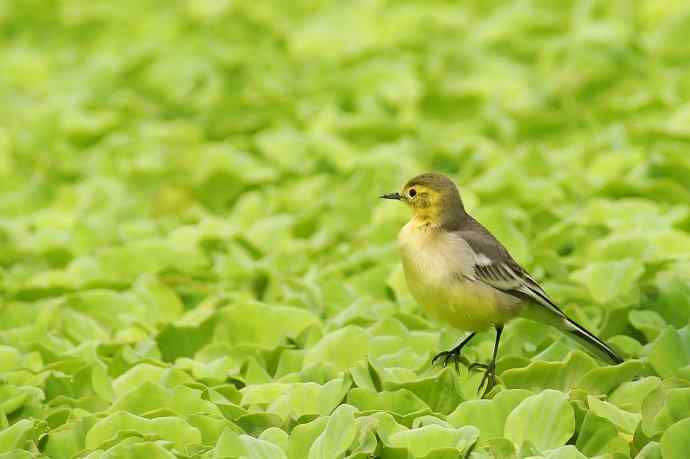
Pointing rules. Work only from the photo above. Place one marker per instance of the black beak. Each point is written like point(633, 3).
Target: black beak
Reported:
point(392, 196)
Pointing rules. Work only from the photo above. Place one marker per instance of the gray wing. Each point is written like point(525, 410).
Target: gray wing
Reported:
point(497, 268)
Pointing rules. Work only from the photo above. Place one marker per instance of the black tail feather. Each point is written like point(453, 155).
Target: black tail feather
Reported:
point(591, 343)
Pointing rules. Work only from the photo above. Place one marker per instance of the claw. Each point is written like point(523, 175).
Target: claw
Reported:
point(488, 381)
point(447, 357)
point(453, 355)
point(438, 356)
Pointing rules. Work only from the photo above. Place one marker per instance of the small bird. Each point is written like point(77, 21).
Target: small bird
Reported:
point(459, 272)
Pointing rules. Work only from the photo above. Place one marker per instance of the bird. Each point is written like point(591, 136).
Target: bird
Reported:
point(463, 276)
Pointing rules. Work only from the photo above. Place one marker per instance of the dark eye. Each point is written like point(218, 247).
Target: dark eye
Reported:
point(412, 192)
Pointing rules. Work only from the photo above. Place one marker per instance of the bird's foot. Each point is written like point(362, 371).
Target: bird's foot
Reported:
point(452, 356)
point(489, 378)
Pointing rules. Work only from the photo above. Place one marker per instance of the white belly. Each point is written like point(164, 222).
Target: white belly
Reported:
point(439, 269)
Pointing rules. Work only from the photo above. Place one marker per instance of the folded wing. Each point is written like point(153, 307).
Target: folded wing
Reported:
point(496, 267)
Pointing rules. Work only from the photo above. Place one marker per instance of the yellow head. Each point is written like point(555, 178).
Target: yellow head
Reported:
point(434, 200)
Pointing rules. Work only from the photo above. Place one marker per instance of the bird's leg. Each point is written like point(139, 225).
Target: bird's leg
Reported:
point(453, 355)
point(489, 379)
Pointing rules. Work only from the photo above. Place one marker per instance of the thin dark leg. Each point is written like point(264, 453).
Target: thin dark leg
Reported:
point(453, 355)
point(489, 379)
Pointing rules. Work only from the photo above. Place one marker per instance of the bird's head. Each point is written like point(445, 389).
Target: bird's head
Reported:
point(434, 199)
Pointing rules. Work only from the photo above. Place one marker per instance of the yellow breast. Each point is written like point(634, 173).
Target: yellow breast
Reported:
point(439, 269)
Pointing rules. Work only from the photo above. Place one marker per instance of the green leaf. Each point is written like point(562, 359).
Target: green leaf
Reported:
point(16, 454)
point(602, 380)
point(565, 452)
point(425, 440)
point(598, 435)
point(264, 394)
point(667, 354)
point(150, 396)
point(67, 440)
point(247, 323)
point(630, 395)
point(489, 416)
point(301, 399)
point(626, 345)
point(159, 297)
point(340, 349)
point(285, 147)
point(675, 441)
point(173, 429)
point(650, 323)
point(528, 450)
point(254, 423)
point(651, 450)
point(210, 426)
point(259, 449)
point(291, 361)
point(611, 280)
point(623, 420)
point(556, 375)
point(228, 445)
point(440, 392)
point(366, 443)
point(149, 256)
point(673, 301)
point(14, 436)
point(277, 437)
point(502, 448)
point(100, 381)
point(137, 375)
point(338, 435)
point(13, 398)
point(557, 423)
point(400, 403)
point(386, 427)
point(138, 449)
point(664, 407)
point(303, 436)
point(184, 341)
point(256, 373)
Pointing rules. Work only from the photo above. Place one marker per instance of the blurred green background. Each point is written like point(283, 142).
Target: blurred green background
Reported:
point(194, 260)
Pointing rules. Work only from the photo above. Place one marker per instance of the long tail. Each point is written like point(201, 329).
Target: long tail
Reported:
point(590, 342)
point(548, 312)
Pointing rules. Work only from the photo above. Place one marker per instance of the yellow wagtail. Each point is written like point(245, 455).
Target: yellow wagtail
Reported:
point(462, 275)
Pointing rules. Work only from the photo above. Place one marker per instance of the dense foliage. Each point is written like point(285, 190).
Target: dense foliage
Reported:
point(194, 261)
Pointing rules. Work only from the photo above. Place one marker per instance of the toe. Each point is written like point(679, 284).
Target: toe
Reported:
point(437, 358)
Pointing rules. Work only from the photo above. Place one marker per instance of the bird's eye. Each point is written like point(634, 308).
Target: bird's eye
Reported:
point(412, 192)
